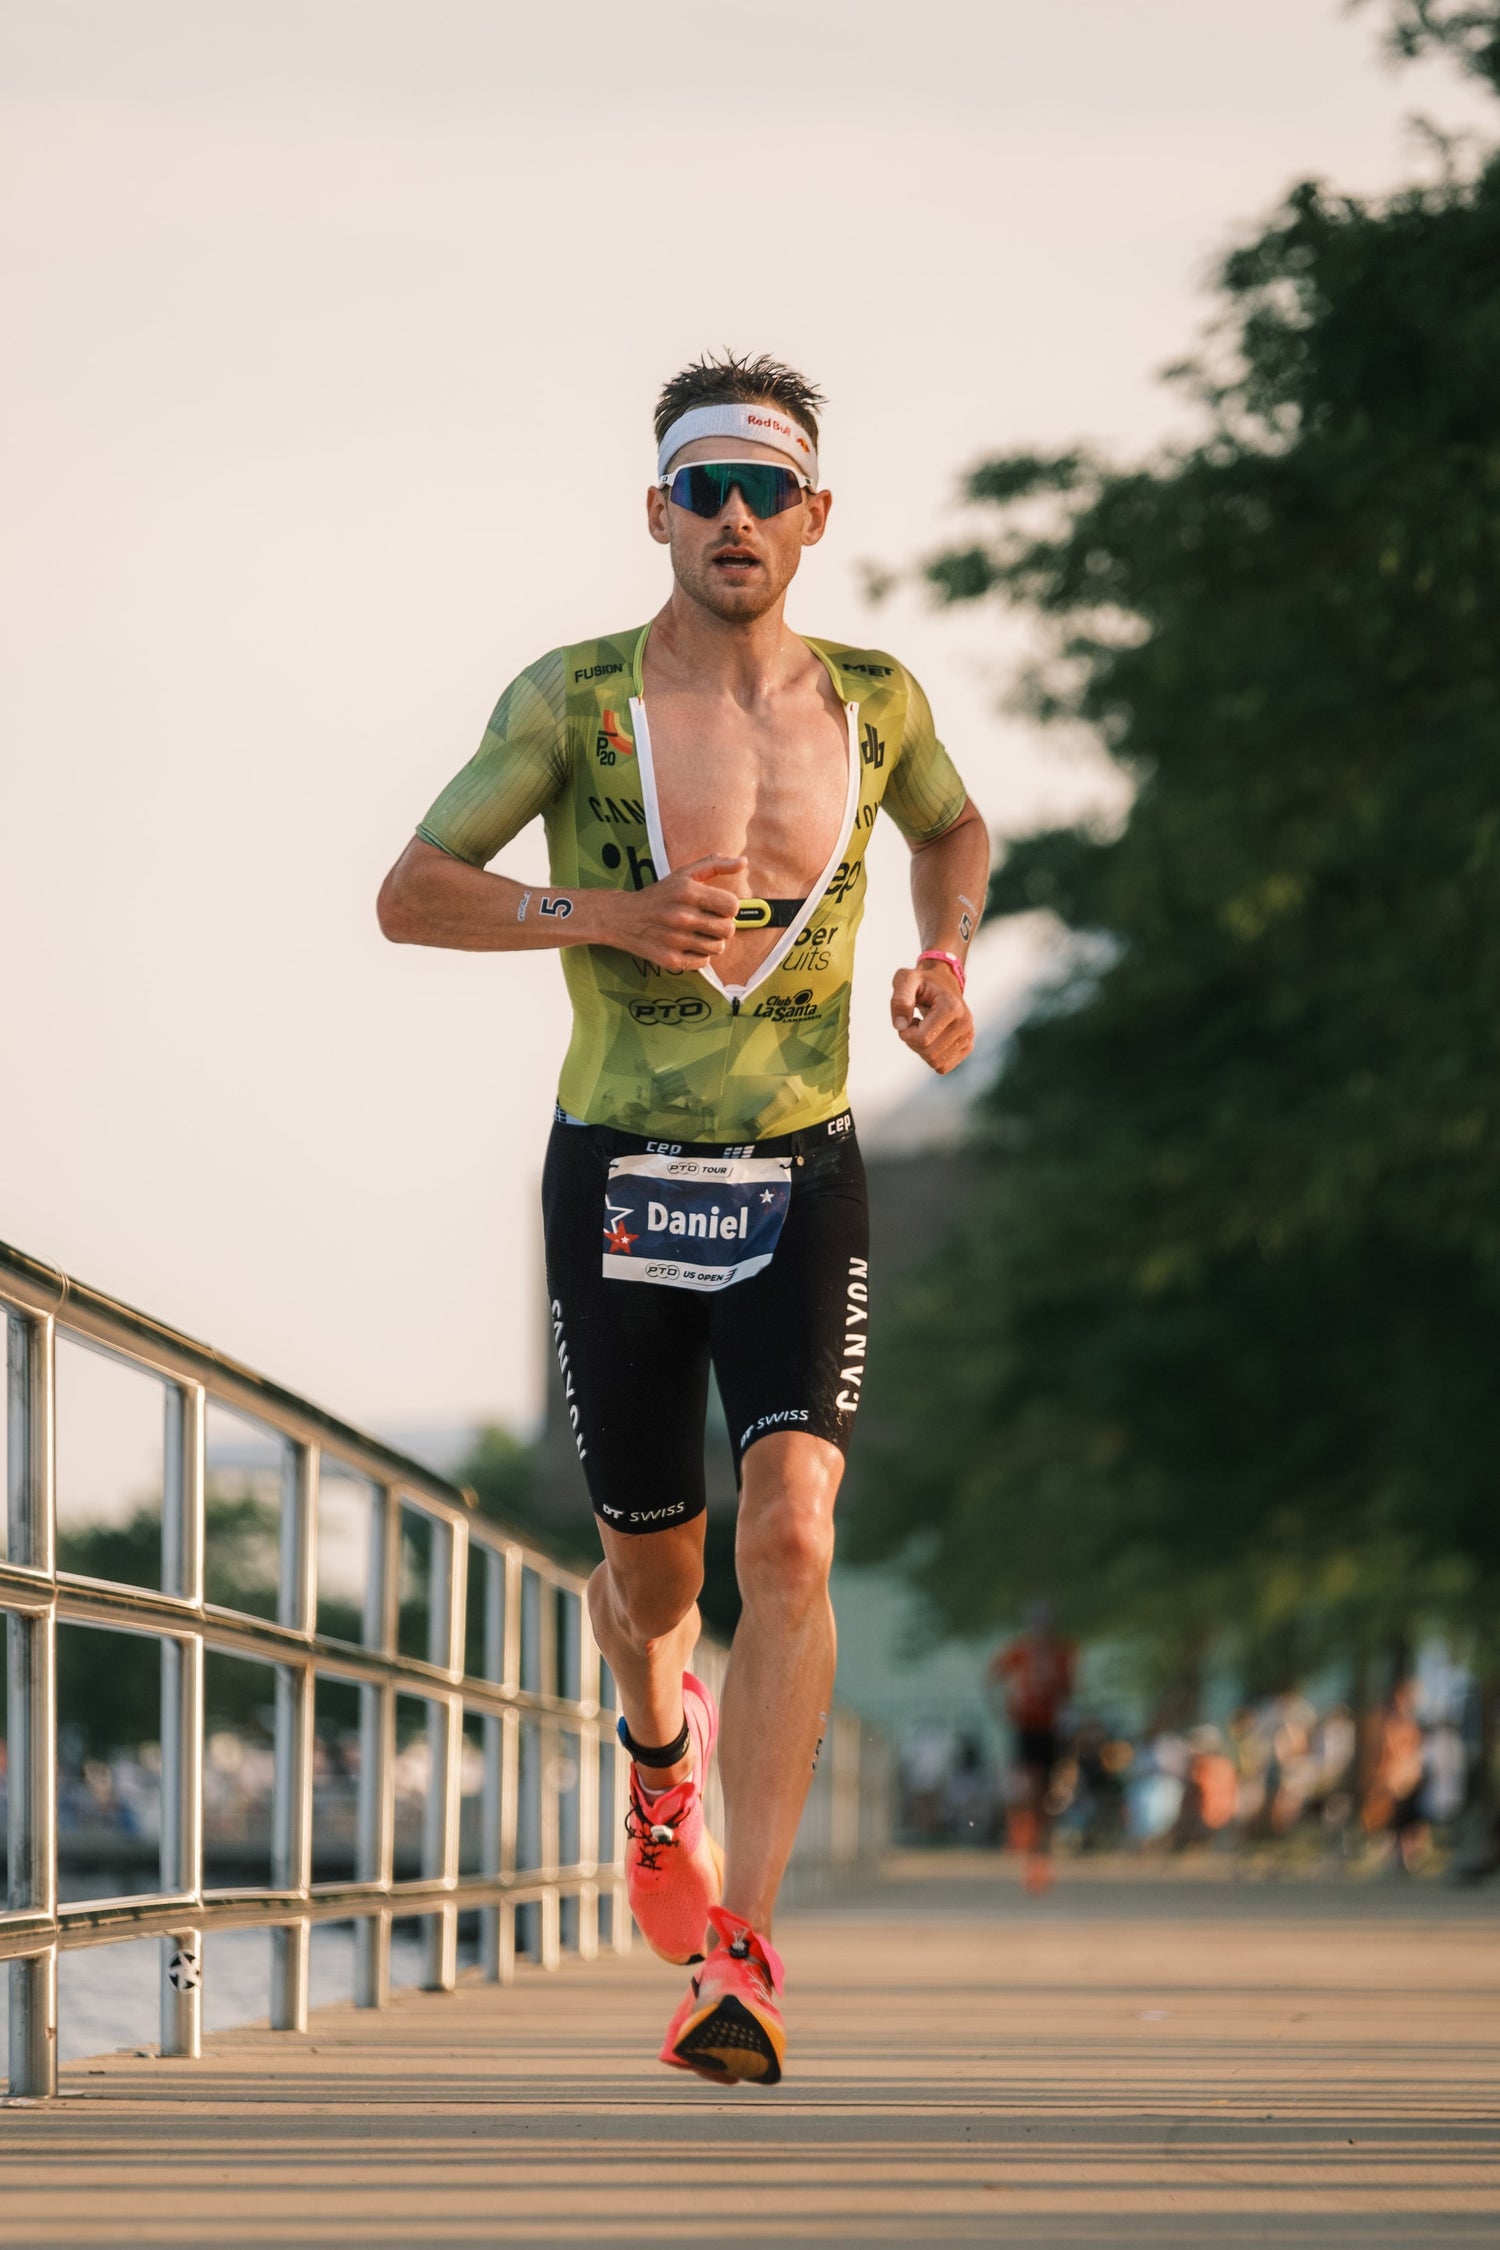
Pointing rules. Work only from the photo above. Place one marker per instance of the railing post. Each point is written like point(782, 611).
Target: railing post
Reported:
point(588, 1787)
point(621, 1929)
point(510, 1627)
point(291, 1833)
point(495, 1571)
point(377, 1754)
point(445, 1741)
point(549, 1749)
point(182, 1540)
point(31, 1724)
point(518, 1830)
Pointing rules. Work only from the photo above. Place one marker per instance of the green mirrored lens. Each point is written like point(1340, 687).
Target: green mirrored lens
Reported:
point(705, 486)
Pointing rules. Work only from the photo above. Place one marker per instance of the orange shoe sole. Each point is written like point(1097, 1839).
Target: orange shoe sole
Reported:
point(729, 2043)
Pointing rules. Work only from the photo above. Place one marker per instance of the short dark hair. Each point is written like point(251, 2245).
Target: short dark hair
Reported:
point(717, 378)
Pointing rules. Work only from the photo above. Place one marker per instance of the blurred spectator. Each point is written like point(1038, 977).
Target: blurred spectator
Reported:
point(1033, 1678)
point(1156, 1789)
point(1096, 1816)
point(1394, 1764)
point(1210, 1795)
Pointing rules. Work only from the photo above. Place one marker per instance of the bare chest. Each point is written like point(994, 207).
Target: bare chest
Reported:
point(774, 789)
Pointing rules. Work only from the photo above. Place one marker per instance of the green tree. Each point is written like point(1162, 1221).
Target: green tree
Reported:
point(109, 1684)
point(501, 1472)
point(1220, 1344)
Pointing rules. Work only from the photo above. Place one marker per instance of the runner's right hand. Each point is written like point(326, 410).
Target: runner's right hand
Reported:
point(686, 919)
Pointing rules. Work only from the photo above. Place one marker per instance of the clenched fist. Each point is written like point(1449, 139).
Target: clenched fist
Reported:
point(684, 921)
point(931, 1015)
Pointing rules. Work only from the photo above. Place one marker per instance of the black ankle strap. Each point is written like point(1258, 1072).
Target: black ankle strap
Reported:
point(667, 1755)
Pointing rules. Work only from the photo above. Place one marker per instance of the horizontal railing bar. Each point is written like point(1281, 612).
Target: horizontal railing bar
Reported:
point(32, 1287)
point(24, 1593)
point(109, 1601)
point(116, 1921)
point(106, 1607)
point(233, 1896)
point(125, 1913)
point(24, 1932)
point(92, 1318)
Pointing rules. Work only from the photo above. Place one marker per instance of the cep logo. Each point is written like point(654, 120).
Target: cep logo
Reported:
point(668, 1011)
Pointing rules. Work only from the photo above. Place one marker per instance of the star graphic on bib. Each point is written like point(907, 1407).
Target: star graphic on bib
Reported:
point(767, 1195)
point(615, 1236)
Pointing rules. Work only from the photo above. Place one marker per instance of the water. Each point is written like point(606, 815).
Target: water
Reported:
point(109, 1995)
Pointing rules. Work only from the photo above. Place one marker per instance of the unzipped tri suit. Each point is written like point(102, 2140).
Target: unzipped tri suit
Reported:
point(703, 1196)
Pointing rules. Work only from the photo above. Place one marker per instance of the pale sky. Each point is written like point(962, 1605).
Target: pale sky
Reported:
point(334, 330)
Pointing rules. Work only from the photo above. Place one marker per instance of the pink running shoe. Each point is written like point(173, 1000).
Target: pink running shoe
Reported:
point(673, 1868)
point(729, 2027)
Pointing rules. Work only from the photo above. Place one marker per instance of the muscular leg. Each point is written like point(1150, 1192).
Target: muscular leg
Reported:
point(780, 1678)
point(643, 1601)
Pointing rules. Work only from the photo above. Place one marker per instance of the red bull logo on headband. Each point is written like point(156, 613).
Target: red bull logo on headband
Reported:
point(738, 418)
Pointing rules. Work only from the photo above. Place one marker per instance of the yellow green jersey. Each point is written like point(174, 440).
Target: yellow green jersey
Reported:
point(681, 1055)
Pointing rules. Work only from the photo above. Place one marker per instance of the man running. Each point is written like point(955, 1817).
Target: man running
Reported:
point(708, 783)
point(1034, 1674)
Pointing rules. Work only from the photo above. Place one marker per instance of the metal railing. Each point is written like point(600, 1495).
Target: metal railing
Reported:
point(537, 1686)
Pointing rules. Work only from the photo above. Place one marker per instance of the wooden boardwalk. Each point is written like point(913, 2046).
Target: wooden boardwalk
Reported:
point(1182, 2061)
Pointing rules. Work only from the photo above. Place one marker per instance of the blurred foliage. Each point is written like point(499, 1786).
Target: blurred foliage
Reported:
point(108, 1684)
point(1471, 33)
point(1217, 1346)
point(500, 1469)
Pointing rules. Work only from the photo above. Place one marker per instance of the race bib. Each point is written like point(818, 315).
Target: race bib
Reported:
point(693, 1222)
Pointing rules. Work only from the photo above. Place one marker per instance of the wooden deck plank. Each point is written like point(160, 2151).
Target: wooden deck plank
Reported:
point(1127, 2063)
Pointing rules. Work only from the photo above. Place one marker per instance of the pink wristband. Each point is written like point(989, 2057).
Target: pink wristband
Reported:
point(936, 953)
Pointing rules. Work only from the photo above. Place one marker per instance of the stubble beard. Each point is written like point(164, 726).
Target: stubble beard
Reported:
point(732, 605)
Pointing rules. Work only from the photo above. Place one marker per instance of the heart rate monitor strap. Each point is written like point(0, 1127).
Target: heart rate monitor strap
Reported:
point(768, 913)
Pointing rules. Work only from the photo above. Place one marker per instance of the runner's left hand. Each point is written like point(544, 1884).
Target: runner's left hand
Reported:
point(931, 1015)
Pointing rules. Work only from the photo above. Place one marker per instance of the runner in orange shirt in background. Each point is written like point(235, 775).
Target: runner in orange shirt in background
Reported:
point(1034, 1675)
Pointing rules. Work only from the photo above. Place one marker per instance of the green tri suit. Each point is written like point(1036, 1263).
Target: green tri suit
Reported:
point(681, 1056)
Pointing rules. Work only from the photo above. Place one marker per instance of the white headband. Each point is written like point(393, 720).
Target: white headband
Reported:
point(739, 419)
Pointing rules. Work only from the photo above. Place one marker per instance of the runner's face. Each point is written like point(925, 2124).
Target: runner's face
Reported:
point(733, 564)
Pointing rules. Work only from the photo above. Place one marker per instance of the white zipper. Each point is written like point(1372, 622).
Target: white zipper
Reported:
point(735, 993)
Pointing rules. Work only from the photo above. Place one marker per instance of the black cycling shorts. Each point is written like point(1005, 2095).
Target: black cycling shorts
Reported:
point(786, 1343)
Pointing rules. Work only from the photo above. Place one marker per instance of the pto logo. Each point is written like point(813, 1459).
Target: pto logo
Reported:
point(609, 743)
point(667, 1012)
